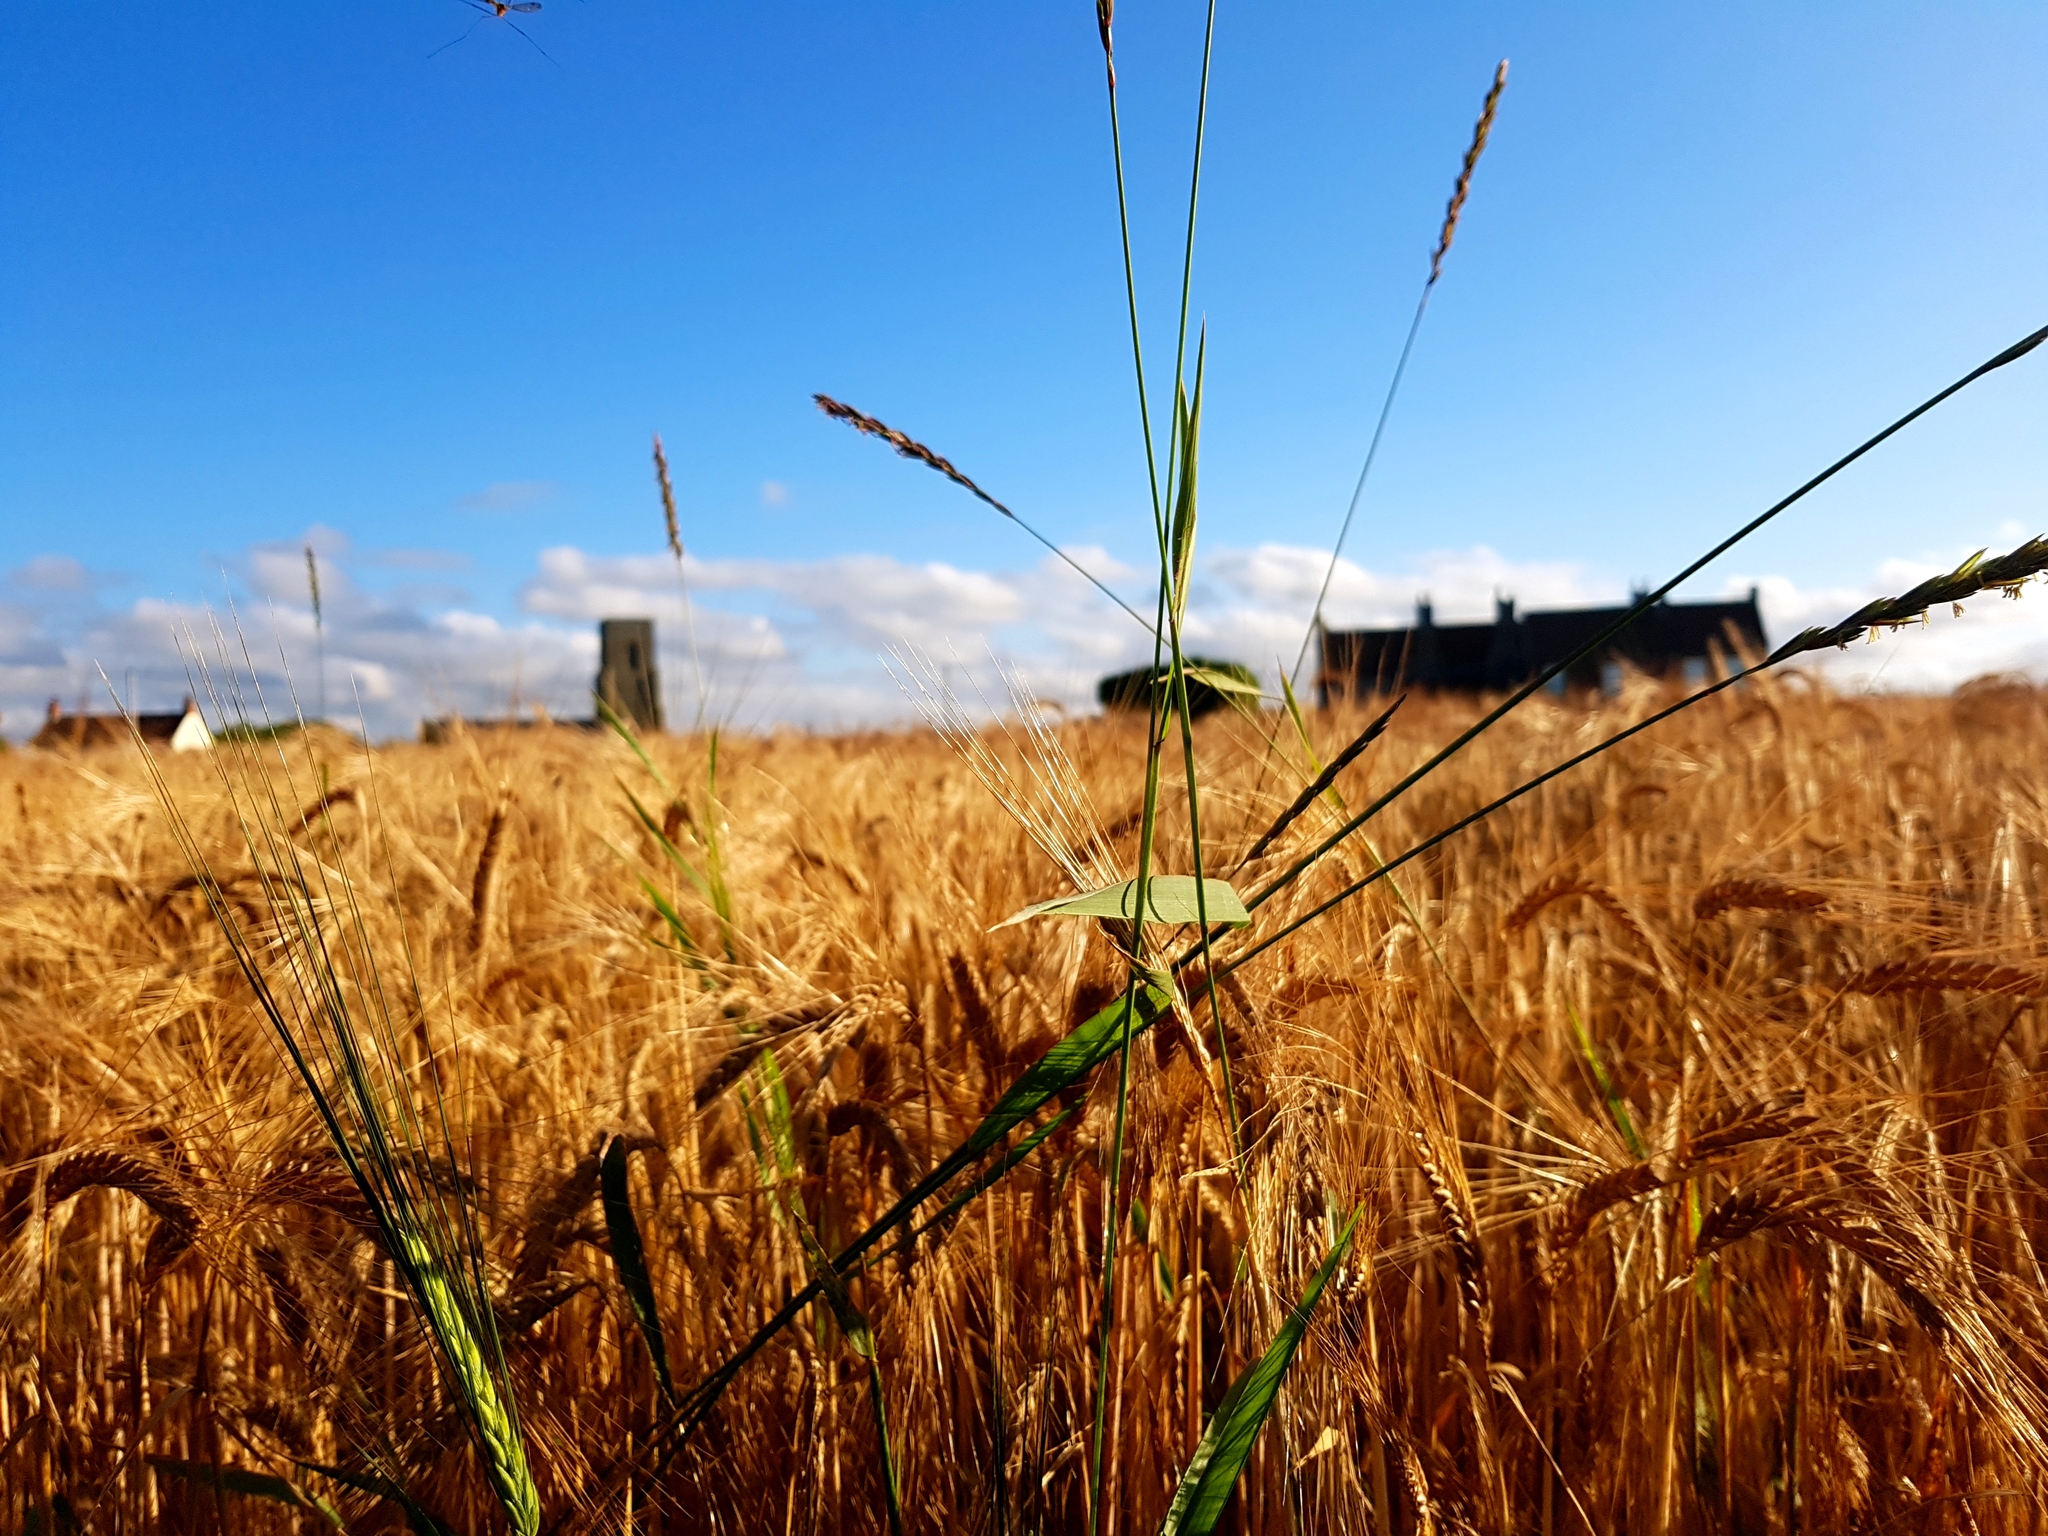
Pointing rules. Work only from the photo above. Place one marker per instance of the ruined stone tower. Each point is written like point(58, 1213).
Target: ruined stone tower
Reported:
point(626, 677)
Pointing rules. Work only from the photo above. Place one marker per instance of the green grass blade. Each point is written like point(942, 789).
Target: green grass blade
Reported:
point(1087, 1046)
point(1617, 1106)
point(422, 1523)
point(689, 871)
point(1068, 1063)
point(629, 1257)
point(771, 1125)
point(338, 1020)
point(1223, 682)
point(674, 920)
point(1641, 605)
point(990, 1176)
point(254, 1485)
point(612, 718)
point(1181, 531)
point(1211, 1473)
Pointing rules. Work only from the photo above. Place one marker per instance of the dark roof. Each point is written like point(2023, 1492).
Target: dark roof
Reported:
point(1514, 648)
point(78, 732)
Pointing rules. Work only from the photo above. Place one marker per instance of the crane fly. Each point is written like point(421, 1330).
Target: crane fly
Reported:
point(499, 10)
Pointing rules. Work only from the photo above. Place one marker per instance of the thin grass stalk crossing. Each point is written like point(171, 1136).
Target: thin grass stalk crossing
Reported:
point(1481, 131)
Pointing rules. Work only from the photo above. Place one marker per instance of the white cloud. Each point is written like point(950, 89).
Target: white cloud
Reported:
point(797, 641)
point(52, 573)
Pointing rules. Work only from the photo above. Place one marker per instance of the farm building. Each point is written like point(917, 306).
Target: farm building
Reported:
point(1665, 640)
point(181, 731)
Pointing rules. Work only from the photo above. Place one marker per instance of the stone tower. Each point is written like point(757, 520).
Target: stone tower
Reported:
point(626, 677)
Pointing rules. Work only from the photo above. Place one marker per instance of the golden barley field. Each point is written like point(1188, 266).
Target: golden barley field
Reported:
point(1691, 1109)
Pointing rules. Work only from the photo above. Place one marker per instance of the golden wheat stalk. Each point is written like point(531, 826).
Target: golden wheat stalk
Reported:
point(1453, 1201)
point(1744, 1128)
point(1480, 132)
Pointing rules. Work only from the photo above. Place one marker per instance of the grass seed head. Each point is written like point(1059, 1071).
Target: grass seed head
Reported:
point(1481, 131)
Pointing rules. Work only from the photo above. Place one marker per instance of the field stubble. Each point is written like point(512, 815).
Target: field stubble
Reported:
point(1691, 1104)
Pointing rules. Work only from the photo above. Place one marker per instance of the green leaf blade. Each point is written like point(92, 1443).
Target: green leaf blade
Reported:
point(1212, 1471)
point(254, 1485)
point(629, 1257)
point(1169, 899)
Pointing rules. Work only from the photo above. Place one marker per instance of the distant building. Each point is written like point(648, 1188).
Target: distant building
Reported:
point(1666, 639)
point(626, 677)
point(440, 728)
point(184, 731)
point(627, 682)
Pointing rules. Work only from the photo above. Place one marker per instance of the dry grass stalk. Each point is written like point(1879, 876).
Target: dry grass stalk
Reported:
point(1717, 1138)
point(1448, 1192)
point(2004, 574)
point(908, 447)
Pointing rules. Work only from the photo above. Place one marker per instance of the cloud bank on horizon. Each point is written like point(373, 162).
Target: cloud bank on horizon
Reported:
point(799, 642)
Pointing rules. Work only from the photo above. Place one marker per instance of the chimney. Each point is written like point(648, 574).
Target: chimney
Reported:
point(56, 710)
point(1425, 615)
point(1503, 609)
point(190, 704)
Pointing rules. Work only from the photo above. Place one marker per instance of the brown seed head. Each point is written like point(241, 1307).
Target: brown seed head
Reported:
point(1464, 186)
point(1105, 13)
point(909, 447)
point(668, 500)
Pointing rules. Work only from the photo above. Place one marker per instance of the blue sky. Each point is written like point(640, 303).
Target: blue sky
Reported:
point(277, 272)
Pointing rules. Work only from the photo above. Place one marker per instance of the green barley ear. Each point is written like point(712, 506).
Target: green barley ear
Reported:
point(2004, 574)
point(349, 1033)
